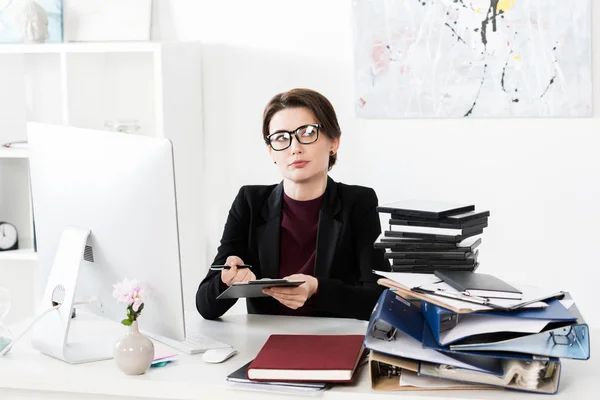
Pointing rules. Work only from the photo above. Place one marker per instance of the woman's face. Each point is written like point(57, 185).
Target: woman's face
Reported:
point(301, 162)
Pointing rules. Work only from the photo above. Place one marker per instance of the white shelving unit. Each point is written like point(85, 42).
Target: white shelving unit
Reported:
point(26, 254)
point(84, 85)
point(106, 47)
point(12, 153)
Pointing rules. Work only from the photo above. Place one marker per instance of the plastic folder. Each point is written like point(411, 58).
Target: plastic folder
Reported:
point(430, 343)
point(572, 341)
point(442, 320)
point(386, 372)
point(396, 328)
point(548, 383)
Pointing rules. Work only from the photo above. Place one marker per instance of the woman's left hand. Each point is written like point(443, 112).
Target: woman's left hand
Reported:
point(294, 297)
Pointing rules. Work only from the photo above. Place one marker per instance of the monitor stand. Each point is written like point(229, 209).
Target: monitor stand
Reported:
point(85, 338)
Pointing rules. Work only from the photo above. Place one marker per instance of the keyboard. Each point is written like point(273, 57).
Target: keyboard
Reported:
point(194, 343)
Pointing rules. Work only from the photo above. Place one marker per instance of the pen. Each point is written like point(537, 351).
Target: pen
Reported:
point(220, 267)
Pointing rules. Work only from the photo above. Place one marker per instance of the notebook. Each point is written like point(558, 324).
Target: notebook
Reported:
point(429, 255)
point(307, 358)
point(240, 375)
point(395, 227)
point(426, 209)
point(405, 244)
point(469, 259)
point(451, 221)
point(478, 284)
point(435, 237)
point(430, 269)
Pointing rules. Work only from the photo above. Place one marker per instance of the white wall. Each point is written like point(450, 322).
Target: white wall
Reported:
point(538, 177)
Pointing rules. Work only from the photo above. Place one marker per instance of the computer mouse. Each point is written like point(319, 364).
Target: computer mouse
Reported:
point(215, 356)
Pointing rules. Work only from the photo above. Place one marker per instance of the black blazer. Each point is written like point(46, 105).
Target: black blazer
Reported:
point(348, 226)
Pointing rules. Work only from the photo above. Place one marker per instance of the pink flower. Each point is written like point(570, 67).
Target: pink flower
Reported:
point(136, 304)
point(129, 292)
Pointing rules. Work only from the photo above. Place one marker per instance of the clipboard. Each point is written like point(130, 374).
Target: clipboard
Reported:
point(254, 288)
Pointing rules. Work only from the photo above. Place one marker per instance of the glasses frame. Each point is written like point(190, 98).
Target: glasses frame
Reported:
point(293, 133)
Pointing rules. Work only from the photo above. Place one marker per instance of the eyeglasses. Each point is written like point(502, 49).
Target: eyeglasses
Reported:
point(306, 134)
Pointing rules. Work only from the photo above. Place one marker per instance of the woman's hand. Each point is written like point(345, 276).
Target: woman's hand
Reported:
point(294, 297)
point(233, 274)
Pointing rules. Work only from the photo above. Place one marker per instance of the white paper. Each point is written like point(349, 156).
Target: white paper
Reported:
point(567, 303)
point(529, 293)
point(407, 279)
point(163, 353)
point(410, 378)
point(270, 388)
point(430, 281)
point(473, 324)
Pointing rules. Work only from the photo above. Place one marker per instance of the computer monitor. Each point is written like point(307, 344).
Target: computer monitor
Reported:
point(105, 209)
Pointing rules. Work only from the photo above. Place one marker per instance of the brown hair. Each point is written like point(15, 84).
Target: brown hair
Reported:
point(311, 100)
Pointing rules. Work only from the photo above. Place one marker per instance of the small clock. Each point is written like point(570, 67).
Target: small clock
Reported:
point(9, 240)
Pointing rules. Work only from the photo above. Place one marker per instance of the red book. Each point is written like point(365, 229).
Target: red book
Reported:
point(314, 358)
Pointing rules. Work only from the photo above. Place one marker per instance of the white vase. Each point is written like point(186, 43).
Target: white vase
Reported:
point(134, 352)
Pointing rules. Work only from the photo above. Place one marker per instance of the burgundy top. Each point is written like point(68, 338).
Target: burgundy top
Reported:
point(298, 242)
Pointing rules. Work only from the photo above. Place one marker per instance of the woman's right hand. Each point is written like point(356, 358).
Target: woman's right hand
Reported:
point(233, 274)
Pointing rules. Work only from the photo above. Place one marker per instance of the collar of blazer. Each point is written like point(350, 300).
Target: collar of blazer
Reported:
point(328, 231)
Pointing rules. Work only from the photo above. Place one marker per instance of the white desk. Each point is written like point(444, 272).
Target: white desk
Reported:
point(27, 374)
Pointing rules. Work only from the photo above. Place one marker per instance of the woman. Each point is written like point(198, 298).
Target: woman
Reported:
point(307, 227)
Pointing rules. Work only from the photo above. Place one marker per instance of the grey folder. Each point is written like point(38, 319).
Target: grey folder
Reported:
point(477, 284)
point(254, 288)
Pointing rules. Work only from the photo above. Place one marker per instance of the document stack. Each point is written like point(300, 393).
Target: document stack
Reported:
point(425, 236)
point(426, 335)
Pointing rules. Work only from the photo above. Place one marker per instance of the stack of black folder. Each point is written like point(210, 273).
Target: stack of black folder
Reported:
point(425, 236)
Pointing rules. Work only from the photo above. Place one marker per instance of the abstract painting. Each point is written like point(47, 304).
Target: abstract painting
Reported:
point(11, 20)
point(472, 58)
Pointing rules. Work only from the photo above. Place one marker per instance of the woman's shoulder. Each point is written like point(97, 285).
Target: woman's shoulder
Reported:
point(356, 198)
point(355, 191)
point(256, 192)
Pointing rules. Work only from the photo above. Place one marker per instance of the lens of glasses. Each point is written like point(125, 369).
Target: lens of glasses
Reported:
point(307, 134)
point(280, 141)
